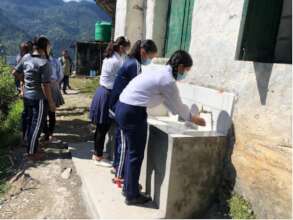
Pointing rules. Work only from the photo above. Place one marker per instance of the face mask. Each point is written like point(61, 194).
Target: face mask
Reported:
point(147, 62)
point(181, 76)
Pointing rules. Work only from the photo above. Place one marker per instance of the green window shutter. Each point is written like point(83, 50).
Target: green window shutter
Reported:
point(185, 43)
point(179, 26)
point(175, 26)
point(259, 30)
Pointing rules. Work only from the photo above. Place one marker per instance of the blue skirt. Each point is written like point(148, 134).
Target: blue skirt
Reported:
point(99, 109)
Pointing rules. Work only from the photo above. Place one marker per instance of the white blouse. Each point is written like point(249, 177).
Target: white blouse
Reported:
point(154, 86)
point(109, 71)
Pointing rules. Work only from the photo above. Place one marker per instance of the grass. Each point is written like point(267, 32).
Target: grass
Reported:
point(9, 137)
point(3, 188)
point(240, 208)
point(84, 84)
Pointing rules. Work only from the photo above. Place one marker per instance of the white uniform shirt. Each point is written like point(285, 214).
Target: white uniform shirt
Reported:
point(109, 71)
point(155, 85)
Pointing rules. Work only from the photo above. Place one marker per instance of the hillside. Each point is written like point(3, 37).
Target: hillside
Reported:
point(9, 33)
point(63, 23)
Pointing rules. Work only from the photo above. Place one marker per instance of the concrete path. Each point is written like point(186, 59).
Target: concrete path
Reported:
point(104, 198)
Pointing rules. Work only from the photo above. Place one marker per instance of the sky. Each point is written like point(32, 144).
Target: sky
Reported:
point(78, 0)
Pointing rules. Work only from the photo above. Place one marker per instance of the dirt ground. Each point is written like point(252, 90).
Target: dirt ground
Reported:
point(39, 190)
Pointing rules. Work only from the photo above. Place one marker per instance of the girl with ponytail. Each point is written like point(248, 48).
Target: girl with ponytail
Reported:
point(142, 52)
point(99, 109)
point(156, 85)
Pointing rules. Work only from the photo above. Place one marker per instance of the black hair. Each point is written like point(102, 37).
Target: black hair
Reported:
point(24, 48)
point(177, 58)
point(148, 45)
point(114, 46)
point(42, 43)
point(30, 46)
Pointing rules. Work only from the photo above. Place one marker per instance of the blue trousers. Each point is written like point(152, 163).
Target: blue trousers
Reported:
point(35, 112)
point(132, 121)
point(117, 150)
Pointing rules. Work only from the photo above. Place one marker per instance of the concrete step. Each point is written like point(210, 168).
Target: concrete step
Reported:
point(104, 198)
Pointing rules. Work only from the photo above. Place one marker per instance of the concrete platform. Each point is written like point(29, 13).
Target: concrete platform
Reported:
point(104, 198)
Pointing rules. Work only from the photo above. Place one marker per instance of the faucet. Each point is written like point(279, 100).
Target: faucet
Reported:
point(208, 112)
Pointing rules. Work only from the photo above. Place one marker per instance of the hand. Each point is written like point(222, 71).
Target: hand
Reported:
point(198, 120)
point(52, 106)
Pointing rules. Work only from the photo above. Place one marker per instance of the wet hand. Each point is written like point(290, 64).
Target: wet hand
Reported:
point(198, 120)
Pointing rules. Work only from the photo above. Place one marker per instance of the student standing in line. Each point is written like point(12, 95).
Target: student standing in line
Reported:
point(25, 50)
point(99, 109)
point(66, 63)
point(37, 95)
point(155, 85)
point(141, 53)
point(56, 78)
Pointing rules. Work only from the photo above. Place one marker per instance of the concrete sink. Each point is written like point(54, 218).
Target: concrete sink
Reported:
point(183, 167)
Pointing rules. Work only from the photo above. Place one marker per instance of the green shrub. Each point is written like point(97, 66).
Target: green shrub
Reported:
point(240, 208)
point(13, 121)
point(10, 129)
point(7, 89)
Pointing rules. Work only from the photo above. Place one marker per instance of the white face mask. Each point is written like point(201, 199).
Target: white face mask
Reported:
point(181, 76)
point(147, 61)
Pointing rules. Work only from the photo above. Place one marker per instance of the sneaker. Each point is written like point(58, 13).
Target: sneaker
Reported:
point(103, 163)
point(123, 193)
point(140, 200)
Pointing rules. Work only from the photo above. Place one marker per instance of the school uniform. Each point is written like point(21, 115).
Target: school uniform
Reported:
point(130, 69)
point(99, 109)
point(154, 86)
point(37, 71)
point(23, 115)
point(56, 78)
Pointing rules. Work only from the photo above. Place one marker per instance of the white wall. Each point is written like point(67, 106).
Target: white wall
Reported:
point(120, 21)
point(130, 19)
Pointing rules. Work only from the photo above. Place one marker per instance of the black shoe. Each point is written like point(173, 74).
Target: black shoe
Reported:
point(140, 200)
point(124, 193)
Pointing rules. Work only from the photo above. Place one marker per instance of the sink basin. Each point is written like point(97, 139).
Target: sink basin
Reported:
point(182, 166)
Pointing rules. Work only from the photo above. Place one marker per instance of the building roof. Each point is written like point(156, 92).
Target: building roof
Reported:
point(108, 5)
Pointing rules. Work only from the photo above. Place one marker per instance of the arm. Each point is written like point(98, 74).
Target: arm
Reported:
point(174, 103)
point(47, 92)
point(17, 72)
point(46, 72)
point(19, 76)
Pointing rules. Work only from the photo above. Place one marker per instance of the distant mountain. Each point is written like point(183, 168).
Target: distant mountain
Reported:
point(63, 23)
point(10, 32)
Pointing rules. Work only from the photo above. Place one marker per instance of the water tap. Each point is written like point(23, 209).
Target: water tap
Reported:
point(208, 112)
